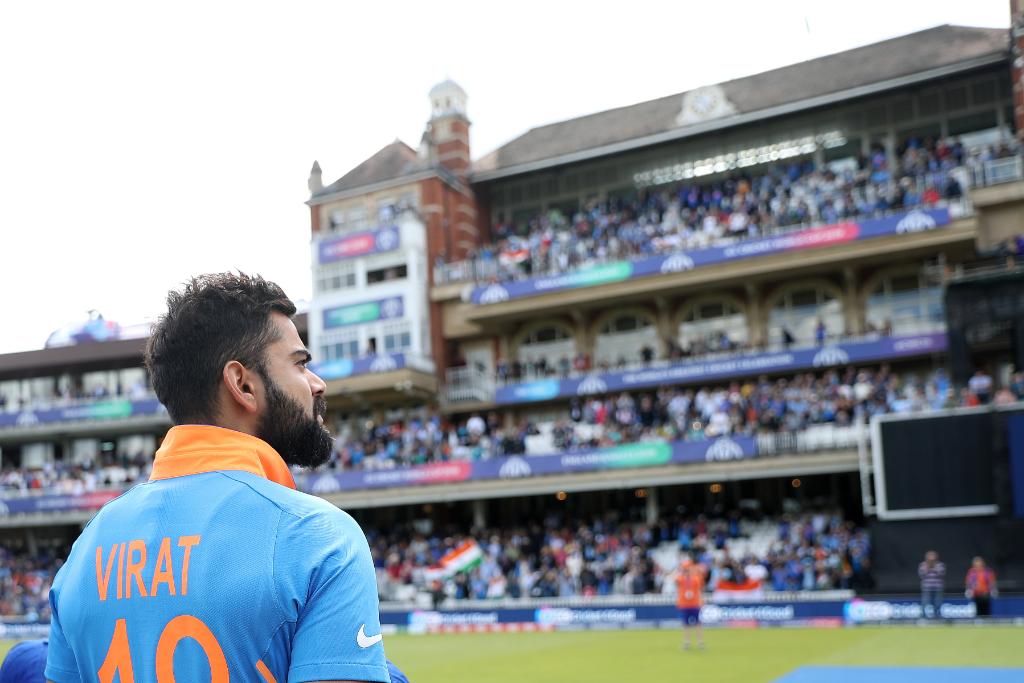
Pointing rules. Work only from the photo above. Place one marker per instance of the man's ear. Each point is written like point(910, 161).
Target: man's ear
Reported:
point(242, 386)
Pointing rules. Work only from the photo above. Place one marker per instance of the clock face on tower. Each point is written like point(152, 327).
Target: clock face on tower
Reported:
point(704, 104)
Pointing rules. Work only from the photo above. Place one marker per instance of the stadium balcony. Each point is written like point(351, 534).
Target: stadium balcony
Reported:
point(472, 310)
point(387, 378)
point(470, 388)
point(83, 417)
point(820, 450)
point(861, 241)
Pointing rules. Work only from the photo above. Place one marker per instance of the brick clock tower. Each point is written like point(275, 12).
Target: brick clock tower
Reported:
point(448, 205)
point(448, 129)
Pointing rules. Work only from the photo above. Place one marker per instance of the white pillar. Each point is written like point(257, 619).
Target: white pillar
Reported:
point(30, 541)
point(479, 515)
point(652, 506)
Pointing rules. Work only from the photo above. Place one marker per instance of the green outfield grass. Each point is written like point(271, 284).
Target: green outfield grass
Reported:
point(743, 656)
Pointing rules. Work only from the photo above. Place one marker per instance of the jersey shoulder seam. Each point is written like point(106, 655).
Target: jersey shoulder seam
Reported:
point(262, 495)
point(112, 500)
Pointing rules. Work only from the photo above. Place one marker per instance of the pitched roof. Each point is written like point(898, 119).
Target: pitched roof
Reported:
point(915, 53)
point(391, 162)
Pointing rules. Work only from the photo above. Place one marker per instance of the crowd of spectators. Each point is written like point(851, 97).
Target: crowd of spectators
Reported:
point(763, 405)
point(837, 397)
point(599, 557)
point(695, 215)
point(69, 395)
point(756, 406)
point(550, 559)
point(25, 580)
point(59, 477)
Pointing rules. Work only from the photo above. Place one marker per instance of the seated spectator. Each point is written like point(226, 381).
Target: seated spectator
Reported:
point(740, 205)
point(604, 556)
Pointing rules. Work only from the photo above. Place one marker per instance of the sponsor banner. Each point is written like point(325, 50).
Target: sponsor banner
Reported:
point(366, 312)
point(743, 365)
point(347, 367)
point(811, 612)
point(23, 505)
point(649, 454)
point(115, 409)
point(870, 610)
point(918, 220)
point(359, 244)
point(567, 616)
point(22, 630)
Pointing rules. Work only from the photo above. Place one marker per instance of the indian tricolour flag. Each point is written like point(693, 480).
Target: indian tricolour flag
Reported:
point(747, 591)
point(463, 558)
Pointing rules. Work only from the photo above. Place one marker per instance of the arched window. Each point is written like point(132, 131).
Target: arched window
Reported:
point(717, 325)
point(548, 342)
point(904, 304)
point(799, 310)
point(626, 336)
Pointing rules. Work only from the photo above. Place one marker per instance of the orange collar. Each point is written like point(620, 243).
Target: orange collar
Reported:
point(193, 449)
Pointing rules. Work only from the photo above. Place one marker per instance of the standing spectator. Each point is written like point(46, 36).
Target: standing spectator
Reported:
point(689, 599)
point(933, 577)
point(476, 425)
point(1017, 385)
point(787, 337)
point(647, 354)
point(981, 587)
point(981, 386)
point(1004, 397)
point(820, 332)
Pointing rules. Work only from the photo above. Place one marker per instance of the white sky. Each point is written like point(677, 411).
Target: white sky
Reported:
point(140, 145)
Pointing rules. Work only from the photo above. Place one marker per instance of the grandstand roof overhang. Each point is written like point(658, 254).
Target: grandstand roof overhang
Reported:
point(406, 386)
point(984, 49)
point(85, 357)
point(26, 364)
point(757, 468)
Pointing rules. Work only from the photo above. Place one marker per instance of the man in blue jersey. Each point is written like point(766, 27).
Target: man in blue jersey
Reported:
point(217, 569)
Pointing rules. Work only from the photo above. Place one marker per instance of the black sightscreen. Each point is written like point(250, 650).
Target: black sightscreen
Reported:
point(938, 462)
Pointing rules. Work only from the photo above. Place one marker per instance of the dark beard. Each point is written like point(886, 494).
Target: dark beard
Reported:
point(298, 439)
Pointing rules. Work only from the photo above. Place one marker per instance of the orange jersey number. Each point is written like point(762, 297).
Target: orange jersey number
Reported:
point(119, 656)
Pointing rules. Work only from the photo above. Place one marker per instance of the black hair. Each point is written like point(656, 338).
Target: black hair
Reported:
point(216, 318)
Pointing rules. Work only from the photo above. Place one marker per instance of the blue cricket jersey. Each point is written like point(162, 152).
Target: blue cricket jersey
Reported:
point(215, 570)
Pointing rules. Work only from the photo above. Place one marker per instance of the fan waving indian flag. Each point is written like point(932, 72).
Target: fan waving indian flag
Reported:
point(464, 558)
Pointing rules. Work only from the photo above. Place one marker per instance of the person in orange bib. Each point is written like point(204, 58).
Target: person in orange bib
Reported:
point(689, 600)
point(981, 587)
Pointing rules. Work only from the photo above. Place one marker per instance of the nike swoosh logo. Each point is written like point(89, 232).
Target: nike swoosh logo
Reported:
point(364, 641)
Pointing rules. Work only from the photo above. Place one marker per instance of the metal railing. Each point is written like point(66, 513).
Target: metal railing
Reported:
point(813, 439)
point(463, 383)
point(998, 171)
point(468, 384)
